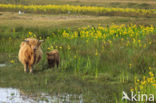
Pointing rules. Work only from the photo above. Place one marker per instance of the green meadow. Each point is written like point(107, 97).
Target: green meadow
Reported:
point(101, 55)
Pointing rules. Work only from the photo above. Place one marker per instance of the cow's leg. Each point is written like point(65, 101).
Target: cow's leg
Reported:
point(30, 69)
point(38, 59)
point(26, 67)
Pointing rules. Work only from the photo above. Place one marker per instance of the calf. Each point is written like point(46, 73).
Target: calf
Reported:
point(53, 58)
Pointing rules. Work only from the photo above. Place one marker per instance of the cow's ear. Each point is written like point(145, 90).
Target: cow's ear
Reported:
point(27, 41)
point(41, 40)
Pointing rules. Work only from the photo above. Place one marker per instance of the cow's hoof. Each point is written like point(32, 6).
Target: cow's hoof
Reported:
point(26, 71)
point(31, 71)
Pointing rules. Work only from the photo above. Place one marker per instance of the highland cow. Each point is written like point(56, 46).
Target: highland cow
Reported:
point(30, 53)
point(53, 58)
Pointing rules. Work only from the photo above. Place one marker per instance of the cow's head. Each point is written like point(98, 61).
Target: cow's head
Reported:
point(33, 43)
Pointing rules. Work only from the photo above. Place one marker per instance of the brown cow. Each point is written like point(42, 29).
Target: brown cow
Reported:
point(30, 53)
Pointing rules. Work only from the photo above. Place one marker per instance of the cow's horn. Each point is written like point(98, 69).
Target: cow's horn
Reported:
point(26, 40)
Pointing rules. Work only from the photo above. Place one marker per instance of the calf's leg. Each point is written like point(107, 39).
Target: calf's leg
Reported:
point(57, 63)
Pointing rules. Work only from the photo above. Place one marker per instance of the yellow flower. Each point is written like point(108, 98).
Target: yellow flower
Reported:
point(143, 82)
point(144, 45)
point(132, 89)
point(130, 65)
point(110, 42)
point(9, 38)
point(40, 37)
point(48, 37)
point(75, 56)
point(60, 47)
point(87, 41)
point(127, 43)
point(30, 33)
point(151, 74)
point(12, 61)
point(138, 80)
point(69, 47)
point(154, 85)
point(141, 87)
point(150, 80)
point(144, 77)
point(134, 40)
point(52, 47)
point(81, 9)
point(96, 53)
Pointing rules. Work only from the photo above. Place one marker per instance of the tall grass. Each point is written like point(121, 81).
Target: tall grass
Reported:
point(92, 50)
point(114, 54)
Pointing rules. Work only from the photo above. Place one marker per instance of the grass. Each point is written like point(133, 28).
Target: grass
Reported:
point(55, 80)
point(59, 82)
point(47, 24)
point(98, 78)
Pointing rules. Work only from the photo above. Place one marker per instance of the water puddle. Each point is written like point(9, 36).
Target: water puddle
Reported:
point(10, 95)
point(61, 98)
point(2, 65)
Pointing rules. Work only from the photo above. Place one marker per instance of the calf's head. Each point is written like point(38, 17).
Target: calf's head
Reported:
point(51, 56)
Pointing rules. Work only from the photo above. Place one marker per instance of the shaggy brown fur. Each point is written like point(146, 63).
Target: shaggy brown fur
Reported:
point(53, 58)
point(30, 53)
